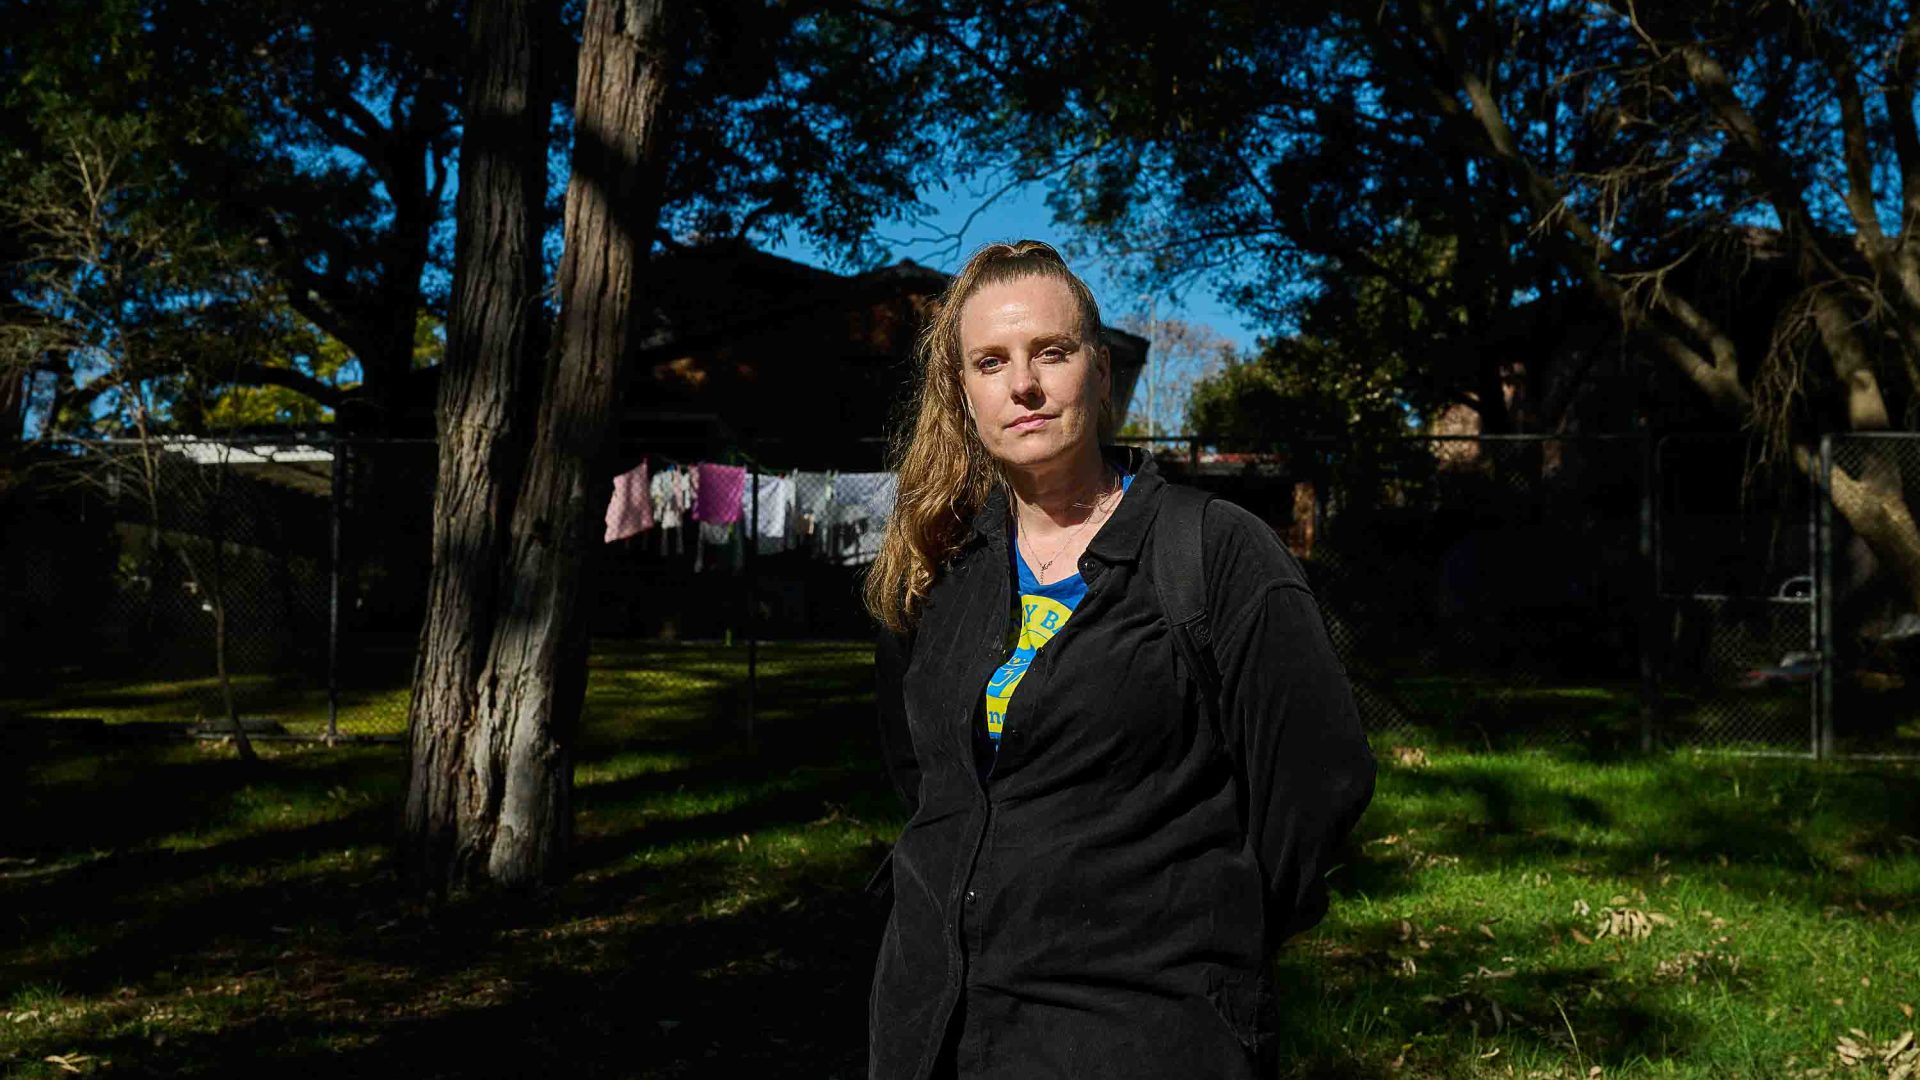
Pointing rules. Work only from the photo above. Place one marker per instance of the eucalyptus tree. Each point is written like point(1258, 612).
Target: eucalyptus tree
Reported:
point(688, 122)
point(1730, 184)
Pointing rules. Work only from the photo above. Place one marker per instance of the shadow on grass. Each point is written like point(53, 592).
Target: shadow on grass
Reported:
point(66, 798)
point(271, 935)
point(776, 988)
point(1770, 828)
point(1449, 994)
point(272, 914)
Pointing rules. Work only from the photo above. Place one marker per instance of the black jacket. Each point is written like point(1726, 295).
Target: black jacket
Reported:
point(1106, 904)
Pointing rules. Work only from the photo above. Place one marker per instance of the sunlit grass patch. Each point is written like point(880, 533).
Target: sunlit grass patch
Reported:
point(1657, 917)
point(631, 683)
point(1498, 914)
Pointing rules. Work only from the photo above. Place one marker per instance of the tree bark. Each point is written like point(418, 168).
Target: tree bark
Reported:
point(512, 770)
point(533, 682)
point(495, 336)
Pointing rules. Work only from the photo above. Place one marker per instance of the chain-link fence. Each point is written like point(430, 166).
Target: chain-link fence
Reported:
point(1485, 591)
point(1737, 650)
point(1868, 595)
point(1610, 591)
point(1614, 592)
point(169, 580)
point(281, 585)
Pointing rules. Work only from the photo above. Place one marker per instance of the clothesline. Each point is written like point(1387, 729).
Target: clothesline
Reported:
point(840, 515)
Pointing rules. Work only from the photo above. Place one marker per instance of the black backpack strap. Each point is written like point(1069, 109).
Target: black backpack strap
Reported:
point(1179, 572)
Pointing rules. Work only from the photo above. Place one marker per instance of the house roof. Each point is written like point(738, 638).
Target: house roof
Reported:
point(298, 466)
point(726, 314)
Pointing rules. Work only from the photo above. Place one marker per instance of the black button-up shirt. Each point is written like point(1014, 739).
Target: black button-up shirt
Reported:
point(1105, 904)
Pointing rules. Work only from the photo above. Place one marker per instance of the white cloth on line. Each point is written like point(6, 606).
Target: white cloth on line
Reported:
point(773, 498)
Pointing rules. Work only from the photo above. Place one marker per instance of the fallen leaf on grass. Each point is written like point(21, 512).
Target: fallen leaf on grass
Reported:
point(67, 1062)
point(1690, 964)
point(1580, 937)
point(1899, 1057)
point(1410, 756)
point(1630, 923)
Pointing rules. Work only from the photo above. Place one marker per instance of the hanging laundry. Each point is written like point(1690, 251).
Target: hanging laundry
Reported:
point(630, 511)
point(772, 500)
point(672, 497)
point(872, 492)
point(862, 502)
point(668, 491)
point(812, 496)
point(711, 534)
point(717, 493)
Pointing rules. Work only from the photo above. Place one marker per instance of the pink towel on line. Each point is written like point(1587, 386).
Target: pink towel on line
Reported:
point(631, 510)
point(717, 499)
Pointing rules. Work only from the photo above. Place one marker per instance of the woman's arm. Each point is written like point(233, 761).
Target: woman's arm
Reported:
point(1288, 715)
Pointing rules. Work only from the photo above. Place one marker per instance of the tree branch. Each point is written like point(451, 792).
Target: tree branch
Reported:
point(290, 378)
point(366, 136)
point(1906, 137)
point(928, 26)
point(1718, 378)
point(1838, 60)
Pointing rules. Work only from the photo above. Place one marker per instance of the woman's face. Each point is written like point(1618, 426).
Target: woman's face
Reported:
point(1033, 381)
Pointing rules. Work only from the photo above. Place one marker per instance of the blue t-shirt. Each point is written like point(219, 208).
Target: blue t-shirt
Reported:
point(1044, 610)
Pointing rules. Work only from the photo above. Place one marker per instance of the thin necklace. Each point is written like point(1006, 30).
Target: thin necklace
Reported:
point(1040, 568)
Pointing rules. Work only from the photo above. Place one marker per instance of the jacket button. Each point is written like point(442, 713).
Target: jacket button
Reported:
point(972, 897)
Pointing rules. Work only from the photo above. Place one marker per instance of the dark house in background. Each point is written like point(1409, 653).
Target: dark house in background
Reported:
point(802, 366)
point(749, 359)
point(797, 366)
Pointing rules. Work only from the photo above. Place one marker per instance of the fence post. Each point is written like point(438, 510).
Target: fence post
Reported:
point(1650, 590)
point(1823, 604)
point(753, 600)
point(336, 471)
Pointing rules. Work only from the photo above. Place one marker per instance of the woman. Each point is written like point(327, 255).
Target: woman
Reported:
point(1099, 862)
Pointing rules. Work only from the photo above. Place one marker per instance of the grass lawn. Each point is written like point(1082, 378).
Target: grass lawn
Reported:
point(664, 681)
point(171, 912)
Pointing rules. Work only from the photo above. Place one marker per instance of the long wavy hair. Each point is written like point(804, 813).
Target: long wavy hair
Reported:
point(941, 489)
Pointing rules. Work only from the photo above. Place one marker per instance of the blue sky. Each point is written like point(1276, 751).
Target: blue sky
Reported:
point(1022, 214)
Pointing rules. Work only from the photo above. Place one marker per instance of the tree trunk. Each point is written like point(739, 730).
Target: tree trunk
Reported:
point(494, 796)
point(1874, 506)
point(1870, 497)
point(495, 335)
point(533, 682)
